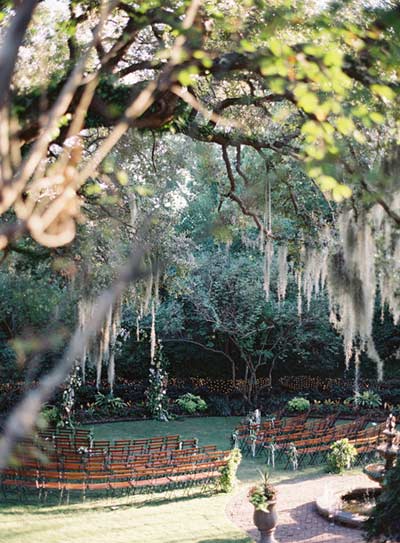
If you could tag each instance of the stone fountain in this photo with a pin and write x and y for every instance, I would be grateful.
(388, 450)
(353, 508)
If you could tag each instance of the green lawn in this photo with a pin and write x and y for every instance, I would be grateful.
(208, 430)
(118, 521)
(199, 519)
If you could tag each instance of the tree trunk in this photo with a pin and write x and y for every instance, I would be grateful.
(233, 364)
(271, 369)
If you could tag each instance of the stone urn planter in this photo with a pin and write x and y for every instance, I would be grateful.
(263, 497)
(266, 521)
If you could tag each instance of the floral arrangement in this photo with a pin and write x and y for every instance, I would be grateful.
(156, 393)
(262, 494)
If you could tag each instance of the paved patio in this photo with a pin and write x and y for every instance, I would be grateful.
(298, 520)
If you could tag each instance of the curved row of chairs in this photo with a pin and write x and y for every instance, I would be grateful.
(298, 441)
(79, 464)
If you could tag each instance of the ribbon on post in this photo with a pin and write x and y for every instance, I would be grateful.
(271, 448)
(293, 456)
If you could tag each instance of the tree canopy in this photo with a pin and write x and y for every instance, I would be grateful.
(189, 129)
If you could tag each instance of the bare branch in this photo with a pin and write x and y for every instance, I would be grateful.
(238, 165)
(190, 99)
(235, 198)
(248, 101)
(379, 200)
(193, 342)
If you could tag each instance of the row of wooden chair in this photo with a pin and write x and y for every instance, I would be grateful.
(76, 462)
(144, 474)
(276, 425)
(66, 437)
(287, 432)
(72, 447)
(88, 463)
(311, 450)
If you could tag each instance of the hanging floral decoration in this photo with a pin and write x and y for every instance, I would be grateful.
(156, 393)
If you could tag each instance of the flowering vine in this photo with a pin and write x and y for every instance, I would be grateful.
(156, 393)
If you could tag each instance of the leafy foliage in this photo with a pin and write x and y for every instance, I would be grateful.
(341, 457)
(298, 404)
(368, 398)
(191, 404)
(227, 480)
(109, 403)
(50, 416)
(384, 522)
(313, 107)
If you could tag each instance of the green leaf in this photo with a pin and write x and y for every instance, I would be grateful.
(277, 85)
(142, 190)
(308, 102)
(315, 151)
(268, 66)
(314, 50)
(314, 171)
(275, 46)
(359, 137)
(300, 90)
(122, 177)
(327, 182)
(247, 46)
(341, 192)
(333, 58)
(360, 111)
(108, 165)
(186, 76)
(312, 128)
(377, 117)
(93, 189)
(345, 125)
(383, 91)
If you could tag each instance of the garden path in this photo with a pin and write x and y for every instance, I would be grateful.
(298, 520)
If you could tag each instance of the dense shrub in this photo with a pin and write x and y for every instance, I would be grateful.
(50, 416)
(340, 392)
(189, 403)
(109, 403)
(342, 456)
(9, 396)
(298, 404)
(368, 399)
(391, 396)
(239, 407)
(228, 472)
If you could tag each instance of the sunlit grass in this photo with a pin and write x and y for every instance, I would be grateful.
(121, 520)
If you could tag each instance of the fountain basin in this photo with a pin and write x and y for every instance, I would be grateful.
(351, 508)
(375, 472)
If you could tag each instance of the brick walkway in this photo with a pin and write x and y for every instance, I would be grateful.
(298, 520)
